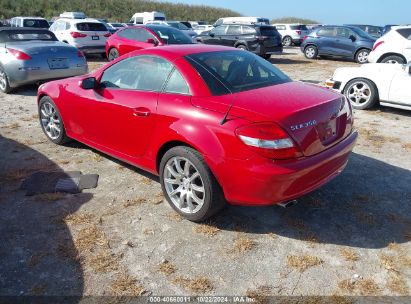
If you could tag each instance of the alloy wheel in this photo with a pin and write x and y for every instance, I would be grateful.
(113, 54)
(392, 62)
(363, 57)
(359, 93)
(184, 185)
(3, 80)
(310, 52)
(287, 41)
(50, 120)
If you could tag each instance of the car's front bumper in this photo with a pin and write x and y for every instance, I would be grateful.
(268, 182)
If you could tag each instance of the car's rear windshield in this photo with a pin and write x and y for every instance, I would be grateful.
(268, 31)
(171, 35)
(299, 27)
(91, 27)
(33, 36)
(405, 32)
(235, 71)
(39, 23)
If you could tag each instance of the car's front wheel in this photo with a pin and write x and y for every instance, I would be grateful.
(393, 59)
(311, 52)
(51, 122)
(4, 82)
(189, 185)
(361, 93)
(287, 41)
(113, 54)
(362, 56)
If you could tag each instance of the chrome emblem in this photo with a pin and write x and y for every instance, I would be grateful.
(304, 125)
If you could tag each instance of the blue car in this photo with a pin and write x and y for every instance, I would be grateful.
(338, 41)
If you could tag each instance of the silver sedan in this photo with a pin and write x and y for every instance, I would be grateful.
(35, 55)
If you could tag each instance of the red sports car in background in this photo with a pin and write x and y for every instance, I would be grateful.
(141, 37)
(217, 124)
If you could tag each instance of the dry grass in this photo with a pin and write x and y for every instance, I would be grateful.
(64, 162)
(16, 175)
(13, 126)
(174, 216)
(242, 244)
(259, 295)
(365, 287)
(35, 259)
(146, 180)
(304, 262)
(376, 139)
(394, 246)
(167, 268)
(79, 219)
(68, 251)
(197, 285)
(126, 285)
(103, 262)
(89, 237)
(407, 146)
(398, 285)
(97, 157)
(207, 229)
(272, 235)
(349, 254)
(134, 202)
(158, 198)
(49, 197)
(148, 231)
(388, 262)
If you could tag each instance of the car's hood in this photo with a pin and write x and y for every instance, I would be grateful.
(307, 112)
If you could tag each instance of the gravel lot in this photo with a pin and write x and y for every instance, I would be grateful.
(351, 237)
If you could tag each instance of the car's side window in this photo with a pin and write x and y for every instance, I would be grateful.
(344, 32)
(136, 34)
(234, 30)
(177, 84)
(326, 32)
(405, 32)
(219, 30)
(248, 30)
(143, 73)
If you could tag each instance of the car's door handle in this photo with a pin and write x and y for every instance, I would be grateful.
(141, 112)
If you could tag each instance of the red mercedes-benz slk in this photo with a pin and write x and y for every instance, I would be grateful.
(217, 124)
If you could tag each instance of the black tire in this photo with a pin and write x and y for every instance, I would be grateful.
(373, 97)
(361, 56)
(287, 41)
(113, 54)
(311, 52)
(4, 79)
(62, 138)
(242, 47)
(393, 59)
(213, 195)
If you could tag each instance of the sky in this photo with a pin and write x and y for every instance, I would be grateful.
(374, 12)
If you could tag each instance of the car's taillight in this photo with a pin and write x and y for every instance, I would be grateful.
(377, 45)
(80, 54)
(268, 140)
(107, 35)
(18, 54)
(298, 32)
(77, 35)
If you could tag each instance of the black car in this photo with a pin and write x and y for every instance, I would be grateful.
(263, 40)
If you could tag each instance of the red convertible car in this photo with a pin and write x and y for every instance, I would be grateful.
(141, 37)
(217, 124)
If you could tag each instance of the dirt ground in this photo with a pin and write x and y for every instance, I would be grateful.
(351, 237)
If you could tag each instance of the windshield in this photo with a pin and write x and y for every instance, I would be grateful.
(237, 71)
(299, 27)
(171, 35)
(91, 27)
(39, 23)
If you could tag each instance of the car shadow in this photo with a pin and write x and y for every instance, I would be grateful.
(37, 253)
(389, 110)
(367, 206)
(275, 60)
(26, 90)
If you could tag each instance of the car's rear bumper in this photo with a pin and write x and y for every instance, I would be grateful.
(262, 50)
(268, 182)
(95, 49)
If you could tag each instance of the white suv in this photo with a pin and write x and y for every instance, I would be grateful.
(292, 33)
(393, 47)
(88, 35)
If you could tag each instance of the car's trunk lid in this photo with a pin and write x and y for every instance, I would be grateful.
(314, 117)
(36, 48)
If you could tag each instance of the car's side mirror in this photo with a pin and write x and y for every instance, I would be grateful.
(353, 38)
(89, 83)
(152, 41)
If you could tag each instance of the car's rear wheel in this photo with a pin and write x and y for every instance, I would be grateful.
(4, 82)
(311, 52)
(51, 122)
(361, 93)
(393, 59)
(362, 56)
(188, 184)
(113, 54)
(287, 41)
